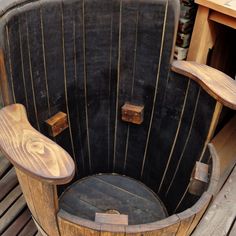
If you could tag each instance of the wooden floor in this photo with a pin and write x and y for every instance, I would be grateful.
(15, 217)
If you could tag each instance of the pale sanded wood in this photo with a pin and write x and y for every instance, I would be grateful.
(219, 85)
(29, 229)
(221, 213)
(223, 19)
(30, 151)
(42, 201)
(218, 5)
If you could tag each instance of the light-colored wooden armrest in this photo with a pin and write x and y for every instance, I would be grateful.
(219, 85)
(30, 151)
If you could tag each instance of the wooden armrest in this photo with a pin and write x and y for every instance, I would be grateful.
(219, 85)
(30, 151)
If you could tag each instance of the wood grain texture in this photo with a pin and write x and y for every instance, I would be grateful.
(203, 37)
(218, 5)
(10, 199)
(42, 201)
(29, 229)
(10, 215)
(225, 149)
(8, 182)
(221, 213)
(4, 87)
(219, 85)
(18, 224)
(30, 151)
(86, 197)
(71, 225)
(4, 164)
(223, 19)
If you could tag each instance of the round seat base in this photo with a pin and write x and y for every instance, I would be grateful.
(113, 194)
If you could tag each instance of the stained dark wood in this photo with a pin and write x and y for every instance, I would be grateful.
(99, 194)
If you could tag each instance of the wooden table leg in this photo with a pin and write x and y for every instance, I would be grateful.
(203, 37)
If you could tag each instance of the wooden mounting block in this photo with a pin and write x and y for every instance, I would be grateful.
(199, 179)
(132, 113)
(57, 123)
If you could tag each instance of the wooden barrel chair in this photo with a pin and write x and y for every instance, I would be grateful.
(112, 115)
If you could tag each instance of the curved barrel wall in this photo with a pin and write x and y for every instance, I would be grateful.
(87, 58)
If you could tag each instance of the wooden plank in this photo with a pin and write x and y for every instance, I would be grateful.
(223, 19)
(186, 219)
(219, 85)
(199, 209)
(9, 199)
(233, 230)
(203, 37)
(117, 219)
(7, 183)
(222, 211)
(224, 144)
(18, 224)
(43, 159)
(42, 200)
(4, 165)
(168, 226)
(71, 225)
(4, 88)
(29, 230)
(10, 215)
(218, 5)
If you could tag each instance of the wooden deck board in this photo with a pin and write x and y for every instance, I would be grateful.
(18, 224)
(15, 218)
(4, 165)
(222, 212)
(8, 182)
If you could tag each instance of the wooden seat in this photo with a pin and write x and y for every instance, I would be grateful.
(106, 192)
